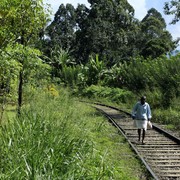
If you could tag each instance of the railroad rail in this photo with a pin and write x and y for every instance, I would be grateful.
(161, 151)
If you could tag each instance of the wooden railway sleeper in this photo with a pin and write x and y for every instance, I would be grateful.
(168, 162)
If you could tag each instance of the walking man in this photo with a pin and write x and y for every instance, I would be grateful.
(141, 114)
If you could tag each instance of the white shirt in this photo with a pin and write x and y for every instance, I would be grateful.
(141, 111)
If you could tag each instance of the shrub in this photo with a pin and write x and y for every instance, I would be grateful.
(167, 117)
(113, 94)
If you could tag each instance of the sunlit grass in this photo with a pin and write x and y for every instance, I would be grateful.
(60, 138)
(8, 114)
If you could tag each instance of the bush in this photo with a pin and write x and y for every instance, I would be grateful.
(160, 75)
(113, 94)
(167, 117)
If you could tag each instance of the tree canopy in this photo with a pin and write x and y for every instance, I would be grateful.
(109, 29)
(156, 39)
(22, 22)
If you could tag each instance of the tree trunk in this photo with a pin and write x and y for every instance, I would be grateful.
(20, 91)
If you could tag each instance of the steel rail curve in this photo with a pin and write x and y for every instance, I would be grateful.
(161, 152)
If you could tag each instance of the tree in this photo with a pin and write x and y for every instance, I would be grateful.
(173, 8)
(61, 30)
(105, 30)
(155, 39)
(21, 22)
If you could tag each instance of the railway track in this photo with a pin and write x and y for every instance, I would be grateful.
(161, 151)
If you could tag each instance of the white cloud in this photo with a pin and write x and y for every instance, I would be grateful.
(139, 7)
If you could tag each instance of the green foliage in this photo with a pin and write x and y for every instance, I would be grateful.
(95, 70)
(9, 71)
(113, 94)
(108, 28)
(9, 67)
(77, 75)
(134, 76)
(62, 29)
(17, 58)
(97, 30)
(21, 21)
(168, 78)
(167, 117)
(52, 138)
(60, 59)
(107, 25)
(160, 75)
(155, 39)
(63, 67)
(70, 75)
(30, 63)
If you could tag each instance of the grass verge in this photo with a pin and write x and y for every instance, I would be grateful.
(60, 138)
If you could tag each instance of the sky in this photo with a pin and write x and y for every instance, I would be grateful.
(141, 7)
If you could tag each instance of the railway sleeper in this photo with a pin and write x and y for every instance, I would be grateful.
(157, 152)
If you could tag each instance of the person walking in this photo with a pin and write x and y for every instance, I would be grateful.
(141, 114)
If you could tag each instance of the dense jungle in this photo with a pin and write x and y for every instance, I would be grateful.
(100, 53)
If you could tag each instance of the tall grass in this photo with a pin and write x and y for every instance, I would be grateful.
(56, 138)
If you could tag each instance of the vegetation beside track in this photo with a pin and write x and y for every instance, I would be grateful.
(88, 50)
(56, 136)
(124, 99)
